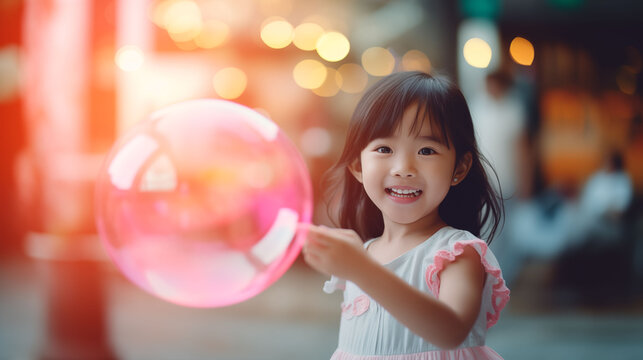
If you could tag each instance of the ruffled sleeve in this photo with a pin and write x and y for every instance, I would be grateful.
(499, 292)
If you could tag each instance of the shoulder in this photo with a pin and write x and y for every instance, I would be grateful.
(454, 242)
(448, 236)
(457, 245)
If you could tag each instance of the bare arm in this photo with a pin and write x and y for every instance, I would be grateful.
(444, 322)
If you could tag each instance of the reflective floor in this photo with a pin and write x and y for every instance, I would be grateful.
(293, 319)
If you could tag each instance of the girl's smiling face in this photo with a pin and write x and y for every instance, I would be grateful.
(408, 174)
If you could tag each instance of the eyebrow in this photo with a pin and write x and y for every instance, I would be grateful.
(431, 138)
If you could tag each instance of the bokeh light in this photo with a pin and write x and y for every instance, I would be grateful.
(277, 34)
(354, 78)
(309, 74)
(230, 83)
(307, 35)
(183, 20)
(331, 85)
(214, 33)
(522, 51)
(199, 204)
(158, 12)
(416, 60)
(333, 46)
(129, 58)
(477, 53)
(378, 61)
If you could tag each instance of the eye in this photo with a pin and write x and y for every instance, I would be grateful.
(426, 151)
(384, 150)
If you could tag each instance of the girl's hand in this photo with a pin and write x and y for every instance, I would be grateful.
(336, 252)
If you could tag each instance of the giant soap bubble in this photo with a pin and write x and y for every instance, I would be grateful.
(199, 204)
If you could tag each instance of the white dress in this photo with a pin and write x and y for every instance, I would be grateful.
(367, 331)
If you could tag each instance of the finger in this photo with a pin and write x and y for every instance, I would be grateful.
(317, 232)
(346, 231)
(313, 231)
(340, 233)
(313, 261)
(321, 240)
(321, 228)
(328, 236)
(312, 235)
(316, 243)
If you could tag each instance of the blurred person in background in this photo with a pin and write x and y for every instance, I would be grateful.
(583, 234)
(594, 264)
(500, 121)
(603, 201)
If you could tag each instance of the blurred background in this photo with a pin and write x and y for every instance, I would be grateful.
(554, 87)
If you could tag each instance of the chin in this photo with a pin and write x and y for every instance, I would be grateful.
(403, 220)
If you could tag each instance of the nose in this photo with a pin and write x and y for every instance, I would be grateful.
(403, 167)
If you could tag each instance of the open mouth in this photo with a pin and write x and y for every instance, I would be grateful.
(403, 193)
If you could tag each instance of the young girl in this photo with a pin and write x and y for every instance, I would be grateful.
(424, 286)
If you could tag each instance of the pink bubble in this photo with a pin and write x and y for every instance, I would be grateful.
(199, 204)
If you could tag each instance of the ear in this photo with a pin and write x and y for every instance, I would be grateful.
(355, 167)
(462, 169)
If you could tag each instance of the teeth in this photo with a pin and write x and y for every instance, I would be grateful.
(404, 192)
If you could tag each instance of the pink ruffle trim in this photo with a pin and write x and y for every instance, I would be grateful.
(470, 353)
(500, 295)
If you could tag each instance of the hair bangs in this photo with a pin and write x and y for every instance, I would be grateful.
(386, 110)
(426, 115)
(385, 119)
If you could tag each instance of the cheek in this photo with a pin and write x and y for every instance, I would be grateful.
(370, 170)
(443, 179)
(448, 169)
(371, 180)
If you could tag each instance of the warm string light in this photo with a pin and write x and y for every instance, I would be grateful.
(416, 60)
(522, 51)
(333, 46)
(214, 33)
(277, 33)
(183, 20)
(191, 27)
(378, 61)
(129, 58)
(307, 35)
(310, 74)
(331, 85)
(230, 83)
(354, 78)
(477, 53)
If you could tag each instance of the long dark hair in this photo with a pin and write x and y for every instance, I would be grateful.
(468, 206)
